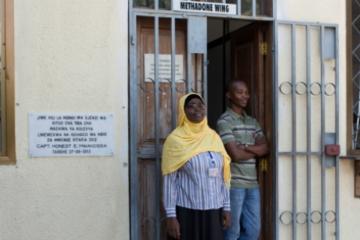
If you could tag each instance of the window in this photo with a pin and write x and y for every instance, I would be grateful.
(7, 129)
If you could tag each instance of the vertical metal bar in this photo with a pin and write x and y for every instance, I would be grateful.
(205, 89)
(156, 4)
(173, 72)
(238, 2)
(274, 9)
(276, 126)
(323, 167)
(337, 128)
(134, 213)
(157, 137)
(189, 63)
(308, 132)
(253, 5)
(293, 116)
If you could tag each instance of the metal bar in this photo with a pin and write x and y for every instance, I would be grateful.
(238, 4)
(157, 137)
(274, 9)
(134, 213)
(304, 23)
(337, 128)
(275, 127)
(173, 80)
(322, 116)
(253, 8)
(308, 133)
(189, 64)
(205, 65)
(300, 153)
(205, 89)
(156, 5)
(293, 116)
(168, 13)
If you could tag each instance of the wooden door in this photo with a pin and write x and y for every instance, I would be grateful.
(251, 62)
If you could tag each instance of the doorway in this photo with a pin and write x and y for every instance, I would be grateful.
(169, 57)
(240, 50)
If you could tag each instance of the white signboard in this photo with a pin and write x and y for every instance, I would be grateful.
(204, 7)
(70, 134)
(164, 67)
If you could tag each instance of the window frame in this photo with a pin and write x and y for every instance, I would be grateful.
(8, 155)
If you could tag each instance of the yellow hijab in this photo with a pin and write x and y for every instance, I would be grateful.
(190, 139)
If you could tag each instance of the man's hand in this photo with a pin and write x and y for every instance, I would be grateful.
(173, 227)
(226, 217)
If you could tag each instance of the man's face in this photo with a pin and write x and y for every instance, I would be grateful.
(195, 110)
(238, 94)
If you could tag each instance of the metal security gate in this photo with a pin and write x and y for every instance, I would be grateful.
(307, 122)
(162, 74)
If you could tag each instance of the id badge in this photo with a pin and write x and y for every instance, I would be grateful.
(213, 172)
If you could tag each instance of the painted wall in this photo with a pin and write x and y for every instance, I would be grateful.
(70, 56)
(324, 11)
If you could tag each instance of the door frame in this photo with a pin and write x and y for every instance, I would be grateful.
(134, 13)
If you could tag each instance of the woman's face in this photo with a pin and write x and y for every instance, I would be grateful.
(195, 110)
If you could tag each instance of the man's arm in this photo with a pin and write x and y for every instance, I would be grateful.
(259, 149)
(237, 152)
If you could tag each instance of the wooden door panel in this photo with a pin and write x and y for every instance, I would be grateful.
(250, 66)
(146, 110)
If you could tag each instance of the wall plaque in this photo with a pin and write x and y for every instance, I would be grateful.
(70, 134)
(164, 67)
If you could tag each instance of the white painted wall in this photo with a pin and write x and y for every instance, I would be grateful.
(70, 56)
(333, 12)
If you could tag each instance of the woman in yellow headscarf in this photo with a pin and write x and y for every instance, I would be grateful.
(196, 172)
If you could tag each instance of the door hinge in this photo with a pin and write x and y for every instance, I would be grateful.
(263, 48)
(263, 165)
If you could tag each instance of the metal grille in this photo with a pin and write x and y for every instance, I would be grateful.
(153, 99)
(306, 119)
(356, 72)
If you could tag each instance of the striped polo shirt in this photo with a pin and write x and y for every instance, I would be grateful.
(241, 129)
(199, 185)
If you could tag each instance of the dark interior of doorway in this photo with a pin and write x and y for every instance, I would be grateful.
(239, 49)
(219, 63)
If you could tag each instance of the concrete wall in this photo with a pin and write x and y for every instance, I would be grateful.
(70, 56)
(332, 12)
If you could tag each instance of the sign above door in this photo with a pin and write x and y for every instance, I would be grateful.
(204, 7)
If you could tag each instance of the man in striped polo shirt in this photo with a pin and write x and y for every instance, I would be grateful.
(244, 141)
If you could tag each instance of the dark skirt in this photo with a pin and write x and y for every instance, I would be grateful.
(200, 224)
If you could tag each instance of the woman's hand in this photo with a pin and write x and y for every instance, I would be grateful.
(173, 227)
(226, 216)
